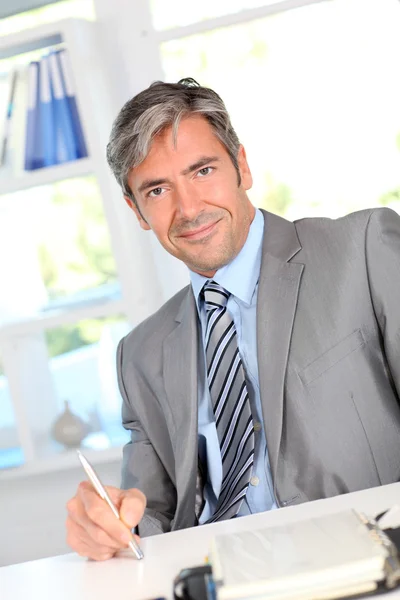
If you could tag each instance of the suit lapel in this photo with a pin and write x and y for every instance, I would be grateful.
(276, 306)
(180, 380)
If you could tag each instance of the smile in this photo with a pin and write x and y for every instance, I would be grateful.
(200, 233)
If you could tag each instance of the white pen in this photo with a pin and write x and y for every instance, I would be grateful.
(98, 486)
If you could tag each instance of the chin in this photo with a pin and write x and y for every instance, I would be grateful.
(210, 266)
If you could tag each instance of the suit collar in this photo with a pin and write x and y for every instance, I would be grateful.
(281, 239)
(186, 306)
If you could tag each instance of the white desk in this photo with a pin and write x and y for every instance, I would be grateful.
(71, 577)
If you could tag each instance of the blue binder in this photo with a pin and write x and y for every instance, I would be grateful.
(65, 138)
(69, 90)
(8, 117)
(47, 115)
(34, 158)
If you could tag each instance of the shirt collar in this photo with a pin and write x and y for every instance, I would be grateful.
(240, 276)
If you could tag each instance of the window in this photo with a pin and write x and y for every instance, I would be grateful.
(314, 95)
(57, 237)
(86, 377)
(55, 256)
(176, 13)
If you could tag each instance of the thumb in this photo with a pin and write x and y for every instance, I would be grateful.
(132, 505)
(115, 494)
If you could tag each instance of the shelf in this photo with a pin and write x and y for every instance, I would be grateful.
(30, 46)
(62, 462)
(36, 38)
(45, 176)
(58, 318)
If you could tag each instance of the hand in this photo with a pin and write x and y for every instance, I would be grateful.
(93, 530)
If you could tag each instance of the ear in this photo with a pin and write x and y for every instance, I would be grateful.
(244, 169)
(142, 221)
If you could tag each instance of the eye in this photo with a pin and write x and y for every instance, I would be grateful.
(204, 171)
(156, 192)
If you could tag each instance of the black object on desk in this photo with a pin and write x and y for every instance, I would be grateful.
(195, 584)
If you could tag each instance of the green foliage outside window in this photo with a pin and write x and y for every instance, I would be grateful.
(74, 249)
(74, 255)
(72, 337)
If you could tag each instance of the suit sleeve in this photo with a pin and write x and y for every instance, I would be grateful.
(383, 265)
(142, 468)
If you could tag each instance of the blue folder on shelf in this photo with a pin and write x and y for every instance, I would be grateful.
(64, 131)
(10, 107)
(34, 155)
(69, 90)
(47, 115)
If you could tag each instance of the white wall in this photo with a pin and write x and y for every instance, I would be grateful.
(32, 512)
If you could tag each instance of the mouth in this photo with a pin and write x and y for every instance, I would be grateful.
(201, 233)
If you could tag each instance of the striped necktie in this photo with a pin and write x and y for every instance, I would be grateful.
(230, 401)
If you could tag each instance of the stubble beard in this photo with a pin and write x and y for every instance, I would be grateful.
(226, 253)
(202, 262)
(197, 258)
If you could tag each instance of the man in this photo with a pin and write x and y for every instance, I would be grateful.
(274, 378)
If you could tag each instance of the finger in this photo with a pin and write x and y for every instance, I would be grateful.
(93, 533)
(77, 513)
(114, 493)
(117, 495)
(79, 541)
(97, 511)
(88, 551)
(132, 507)
(95, 553)
(78, 538)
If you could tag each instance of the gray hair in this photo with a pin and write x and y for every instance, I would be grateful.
(159, 106)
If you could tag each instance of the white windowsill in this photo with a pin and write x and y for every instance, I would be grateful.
(46, 176)
(63, 461)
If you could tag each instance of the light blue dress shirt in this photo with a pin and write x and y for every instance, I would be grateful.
(240, 278)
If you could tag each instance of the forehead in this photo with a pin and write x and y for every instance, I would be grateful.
(194, 137)
(191, 131)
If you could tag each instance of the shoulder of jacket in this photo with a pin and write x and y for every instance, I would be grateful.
(358, 220)
(159, 324)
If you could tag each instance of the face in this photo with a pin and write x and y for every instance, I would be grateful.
(188, 194)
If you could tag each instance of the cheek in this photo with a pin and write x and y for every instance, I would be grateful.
(160, 223)
(219, 193)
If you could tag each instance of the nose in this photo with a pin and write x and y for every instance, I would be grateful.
(188, 202)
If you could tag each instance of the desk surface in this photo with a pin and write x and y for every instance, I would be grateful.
(71, 577)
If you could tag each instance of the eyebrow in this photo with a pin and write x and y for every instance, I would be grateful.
(153, 183)
(203, 160)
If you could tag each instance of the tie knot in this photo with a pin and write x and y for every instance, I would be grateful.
(215, 295)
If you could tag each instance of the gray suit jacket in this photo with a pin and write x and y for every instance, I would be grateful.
(328, 338)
